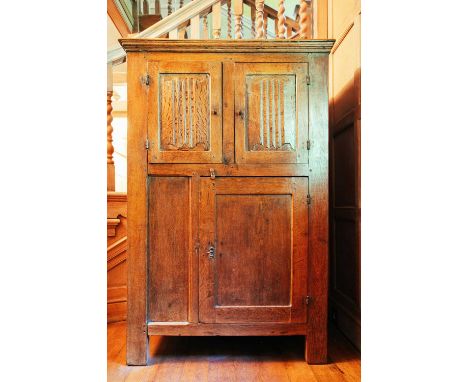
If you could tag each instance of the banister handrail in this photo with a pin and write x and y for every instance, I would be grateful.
(164, 26)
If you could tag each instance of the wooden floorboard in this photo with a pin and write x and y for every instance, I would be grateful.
(236, 359)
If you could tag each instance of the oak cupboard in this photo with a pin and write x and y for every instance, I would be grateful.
(227, 190)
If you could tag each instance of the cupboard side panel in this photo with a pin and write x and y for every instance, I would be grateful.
(137, 338)
(169, 231)
(316, 343)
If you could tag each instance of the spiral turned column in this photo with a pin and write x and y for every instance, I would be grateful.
(303, 20)
(110, 147)
(238, 27)
(281, 20)
(216, 20)
(229, 19)
(259, 23)
(169, 7)
(238, 11)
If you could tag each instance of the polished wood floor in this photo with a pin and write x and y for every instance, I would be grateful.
(240, 359)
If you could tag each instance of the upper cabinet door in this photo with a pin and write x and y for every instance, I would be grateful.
(184, 112)
(271, 112)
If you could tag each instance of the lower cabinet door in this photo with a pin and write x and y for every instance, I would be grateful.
(253, 250)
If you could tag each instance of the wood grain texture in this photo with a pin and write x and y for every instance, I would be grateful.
(224, 46)
(271, 112)
(253, 214)
(228, 112)
(137, 214)
(246, 224)
(169, 248)
(116, 256)
(185, 117)
(261, 222)
(316, 343)
(262, 169)
(240, 359)
(238, 329)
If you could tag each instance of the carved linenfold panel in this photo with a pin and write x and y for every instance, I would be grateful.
(271, 112)
(185, 112)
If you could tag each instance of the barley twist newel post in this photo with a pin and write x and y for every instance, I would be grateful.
(216, 20)
(110, 147)
(259, 23)
(281, 20)
(304, 20)
(238, 10)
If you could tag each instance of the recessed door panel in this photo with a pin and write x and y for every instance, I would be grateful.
(253, 249)
(271, 113)
(184, 112)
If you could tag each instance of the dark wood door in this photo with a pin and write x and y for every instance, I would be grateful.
(272, 116)
(253, 249)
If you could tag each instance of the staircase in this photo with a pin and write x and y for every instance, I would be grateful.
(189, 19)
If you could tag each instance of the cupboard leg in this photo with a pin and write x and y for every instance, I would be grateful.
(137, 346)
(316, 348)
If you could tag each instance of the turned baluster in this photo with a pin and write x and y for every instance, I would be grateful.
(181, 3)
(259, 22)
(281, 20)
(110, 147)
(252, 18)
(216, 20)
(157, 8)
(145, 7)
(195, 27)
(229, 19)
(205, 27)
(304, 20)
(169, 7)
(238, 11)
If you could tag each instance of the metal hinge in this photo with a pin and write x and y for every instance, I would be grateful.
(307, 300)
(308, 144)
(146, 79)
(308, 198)
(308, 80)
(147, 144)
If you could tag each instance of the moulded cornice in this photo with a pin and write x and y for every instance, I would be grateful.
(227, 46)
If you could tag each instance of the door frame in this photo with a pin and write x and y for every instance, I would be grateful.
(296, 311)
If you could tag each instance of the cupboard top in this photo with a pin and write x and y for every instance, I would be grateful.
(226, 46)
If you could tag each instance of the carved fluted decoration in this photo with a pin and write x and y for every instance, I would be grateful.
(259, 23)
(110, 147)
(281, 20)
(169, 7)
(229, 19)
(303, 20)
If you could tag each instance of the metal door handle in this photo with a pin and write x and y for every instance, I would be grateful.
(211, 252)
